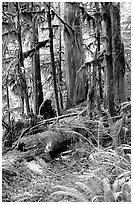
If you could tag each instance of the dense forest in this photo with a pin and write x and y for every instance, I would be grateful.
(66, 101)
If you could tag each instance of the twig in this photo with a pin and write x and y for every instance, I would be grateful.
(81, 113)
(22, 134)
(65, 23)
(56, 118)
(42, 123)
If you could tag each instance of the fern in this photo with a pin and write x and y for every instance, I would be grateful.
(126, 191)
(109, 195)
(106, 185)
(99, 199)
(120, 180)
(85, 188)
(98, 190)
(69, 192)
(115, 130)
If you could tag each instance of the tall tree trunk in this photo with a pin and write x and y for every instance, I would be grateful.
(118, 53)
(37, 85)
(8, 104)
(52, 60)
(60, 71)
(98, 48)
(21, 63)
(108, 58)
(74, 54)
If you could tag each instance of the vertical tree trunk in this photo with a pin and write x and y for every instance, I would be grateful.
(118, 53)
(52, 61)
(21, 64)
(98, 48)
(108, 59)
(94, 84)
(37, 85)
(74, 54)
(60, 71)
(8, 104)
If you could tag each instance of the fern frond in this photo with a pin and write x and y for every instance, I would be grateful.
(78, 196)
(99, 199)
(118, 196)
(109, 195)
(65, 188)
(126, 187)
(85, 188)
(123, 163)
(95, 186)
(126, 191)
(115, 129)
(118, 184)
(126, 175)
(106, 185)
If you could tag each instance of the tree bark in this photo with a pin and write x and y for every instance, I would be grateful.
(21, 63)
(39, 45)
(48, 142)
(37, 85)
(98, 48)
(60, 71)
(108, 58)
(8, 104)
(52, 61)
(74, 54)
(118, 53)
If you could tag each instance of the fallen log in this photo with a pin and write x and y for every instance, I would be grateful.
(43, 122)
(49, 144)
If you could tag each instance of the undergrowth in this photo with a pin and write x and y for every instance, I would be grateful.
(88, 173)
(110, 180)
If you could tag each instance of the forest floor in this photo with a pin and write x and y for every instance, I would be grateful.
(84, 174)
(37, 186)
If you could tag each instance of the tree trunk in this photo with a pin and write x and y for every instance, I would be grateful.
(108, 58)
(94, 84)
(60, 71)
(37, 85)
(98, 49)
(8, 104)
(52, 61)
(74, 54)
(21, 63)
(118, 53)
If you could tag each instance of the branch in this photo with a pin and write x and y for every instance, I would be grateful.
(5, 125)
(9, 33)
(32, 12)
(41, 123)
(10, 21)
(53, 119)
(66, 24)
(37, 47)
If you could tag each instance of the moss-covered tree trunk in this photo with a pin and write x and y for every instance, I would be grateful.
(60, 64)
(118, 53)
(36, 72)
(108, 57)
(98, 28)
(52, 59)
(24, 90)
(74, 54)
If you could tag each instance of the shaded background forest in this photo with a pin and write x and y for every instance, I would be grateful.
(31, 73)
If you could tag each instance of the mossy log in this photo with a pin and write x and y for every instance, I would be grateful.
(49, 144)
